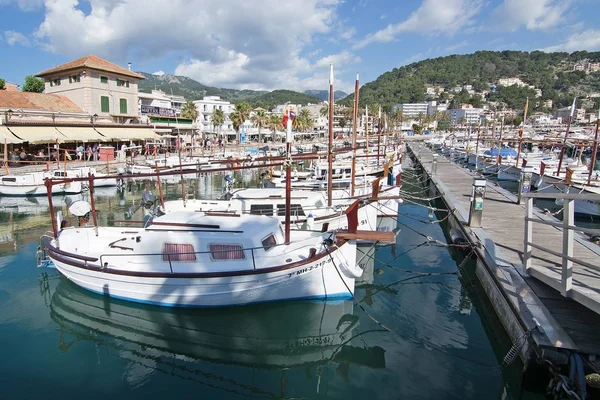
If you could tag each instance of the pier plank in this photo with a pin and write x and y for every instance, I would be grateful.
(503, 223)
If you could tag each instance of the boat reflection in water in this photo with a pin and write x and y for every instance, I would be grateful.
(278, 336)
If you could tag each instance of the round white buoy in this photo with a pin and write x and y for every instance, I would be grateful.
(80, 208)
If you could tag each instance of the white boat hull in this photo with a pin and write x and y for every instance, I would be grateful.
(582, 207)
(325, 278)
(39, 190)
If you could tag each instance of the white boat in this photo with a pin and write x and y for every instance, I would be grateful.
(32, 184)
(308, 208)
(192, 259)
(83, 172)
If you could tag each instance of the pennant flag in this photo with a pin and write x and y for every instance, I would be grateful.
(289, 113)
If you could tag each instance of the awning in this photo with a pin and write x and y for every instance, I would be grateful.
(80, 134)
(6, 135)
(36, 134)
(127, 133)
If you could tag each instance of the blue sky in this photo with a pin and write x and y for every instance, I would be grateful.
(269, 44)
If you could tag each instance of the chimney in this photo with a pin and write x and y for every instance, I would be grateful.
(129, 65)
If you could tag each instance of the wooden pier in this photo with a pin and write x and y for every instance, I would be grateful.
(525, 301)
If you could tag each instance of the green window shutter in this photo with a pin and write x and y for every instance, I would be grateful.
(123, 106)
(103, 79)
(104, 105)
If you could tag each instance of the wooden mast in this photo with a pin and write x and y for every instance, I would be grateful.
(354, 133)
(594, 148)
(564, 144)
(521, 131)
(288, 174)
(330, 152)
(366, 136)
(378, 135)
(498, 157)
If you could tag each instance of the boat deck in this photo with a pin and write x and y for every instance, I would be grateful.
(534, 297)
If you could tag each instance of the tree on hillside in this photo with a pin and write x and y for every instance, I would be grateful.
(2, 83)
(260, 119)
(189, 111)
(218, 119)
(239, 116)
(33, 84)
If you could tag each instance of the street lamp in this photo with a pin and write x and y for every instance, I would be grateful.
(93, 118)
(7, 114)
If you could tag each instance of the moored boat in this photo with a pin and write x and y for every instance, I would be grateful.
(32, 184)
(192, 259)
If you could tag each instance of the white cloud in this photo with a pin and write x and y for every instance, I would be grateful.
(535, 15)
(433, 17)
(237, 44)
(159, 73)
(24, 5)
(13, 38)
(347, 33)
(342, 58)
(232, 69)
(588, 40)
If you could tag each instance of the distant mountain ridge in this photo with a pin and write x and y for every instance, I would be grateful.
(191, 89)
(194, 90)
(323, 95)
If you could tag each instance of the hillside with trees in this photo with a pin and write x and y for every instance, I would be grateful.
(551, 72)
(191, 89)
(271, 99)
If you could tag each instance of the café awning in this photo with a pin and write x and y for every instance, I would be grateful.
(36, 134)
(121, 133)
(7, 137)
(81, 134)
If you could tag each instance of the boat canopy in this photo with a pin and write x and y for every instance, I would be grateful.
(503, 152)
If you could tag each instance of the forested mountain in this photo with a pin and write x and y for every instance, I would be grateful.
(323, 95)
(551, 72)
(271, 99)
(194, 90)
(191, 89)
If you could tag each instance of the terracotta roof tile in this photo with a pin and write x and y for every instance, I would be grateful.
(37, 101)
(92, 62)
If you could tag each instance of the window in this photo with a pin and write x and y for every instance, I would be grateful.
(103, 79)
(55, 82)
(123, 106)
(261, 209)
(178, 252)
(269, 242)
(74, 78)
(122, 83)
(104, 104)
(220, 252)
(295, 209)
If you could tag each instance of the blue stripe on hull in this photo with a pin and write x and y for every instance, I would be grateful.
(332, 297)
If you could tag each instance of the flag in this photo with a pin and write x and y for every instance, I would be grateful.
(289, 113)
(285, 118)
(573, 107)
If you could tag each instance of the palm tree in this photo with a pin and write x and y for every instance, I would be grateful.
(260, 119)
(399, 117)
(189, 111)
(274, 124)
(324, 110)
(218, 118)
(239, 116)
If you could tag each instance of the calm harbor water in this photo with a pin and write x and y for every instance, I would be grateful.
(421, 327)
